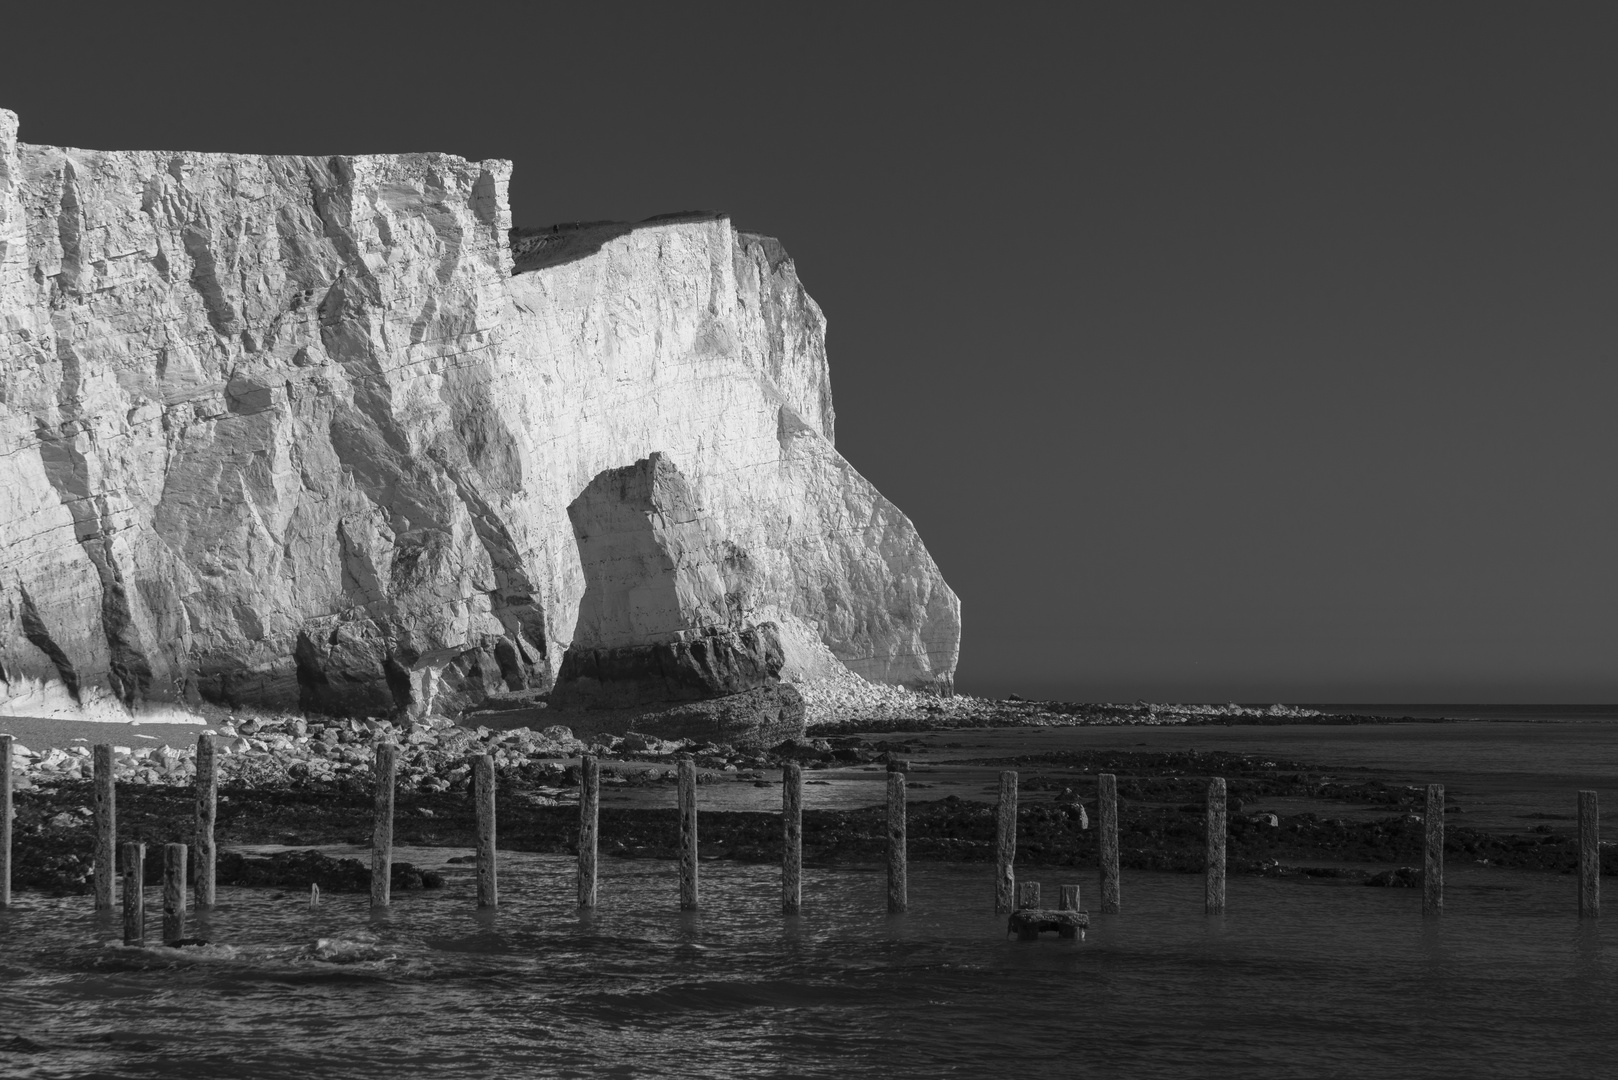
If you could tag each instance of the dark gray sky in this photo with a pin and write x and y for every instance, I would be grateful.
(1253, 351)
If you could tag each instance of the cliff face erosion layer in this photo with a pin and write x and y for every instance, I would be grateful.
(307, 433)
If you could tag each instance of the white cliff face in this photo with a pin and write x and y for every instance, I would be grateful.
(289, 432)
(697, 341)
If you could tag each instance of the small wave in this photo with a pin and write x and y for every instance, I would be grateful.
(115, 954)
(355, 948)
(200, 952)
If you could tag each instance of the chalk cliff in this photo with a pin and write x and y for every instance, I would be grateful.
(305, 432)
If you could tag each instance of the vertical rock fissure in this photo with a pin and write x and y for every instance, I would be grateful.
(205, 278)
(129, 669)
(34, 629)
(69, 231)
(513, 600)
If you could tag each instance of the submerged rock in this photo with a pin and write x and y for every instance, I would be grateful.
(1404, 877)
(300, 869)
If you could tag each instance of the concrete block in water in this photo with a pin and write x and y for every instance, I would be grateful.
(1029, 923)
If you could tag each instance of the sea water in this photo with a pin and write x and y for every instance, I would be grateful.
(1295, 980)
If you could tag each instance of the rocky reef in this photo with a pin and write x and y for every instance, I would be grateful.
(298, 783)
(329, 435)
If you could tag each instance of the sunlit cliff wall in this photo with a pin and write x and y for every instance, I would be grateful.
(300, 433)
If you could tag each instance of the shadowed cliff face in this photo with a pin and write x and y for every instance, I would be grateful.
(289, 432)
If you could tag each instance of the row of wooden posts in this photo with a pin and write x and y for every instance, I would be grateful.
(385, 770)
(1006, 899)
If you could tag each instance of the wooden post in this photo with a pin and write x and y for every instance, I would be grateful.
(589, 827)
(1432, 890)
(488, 882)
(1028, 896)
(5, 820)
(1107, 811)
(387, 763)
(134, 893)
(207, 812)
(106, 823)
(688, 834)
(1214, 883)
(898, 872)
(1589, 855)
(792, 838)
(1068, 901)
(173, 892)
(1005, 843)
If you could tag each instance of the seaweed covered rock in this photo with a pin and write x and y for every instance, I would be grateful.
(757, 718)
(300, 869)
(707, 662)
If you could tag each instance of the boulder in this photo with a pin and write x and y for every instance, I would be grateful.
(757, 718)
(1404, 877)
(712, 662)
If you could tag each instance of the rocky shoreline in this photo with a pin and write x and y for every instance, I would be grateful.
(270, 750)
(847, 704)
(305, 783)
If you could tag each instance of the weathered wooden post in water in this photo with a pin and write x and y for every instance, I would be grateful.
(1589, 855)
(488, 882)
(1028, 896)
(207, 811)
(134, 894)
(1214, 885)
(1107, 811)
(1432, 879)
(792, 838)
(1005, 844)
(106, 822)
(688, 834)
(173, 892)
(387, 764)
(898, 871)
(5, 820)
(589, 827)
(1068, 899)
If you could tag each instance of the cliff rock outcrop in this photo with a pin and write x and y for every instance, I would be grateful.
(667, 604)
(305, 433)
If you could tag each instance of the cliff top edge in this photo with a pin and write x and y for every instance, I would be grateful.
(532, 247)
(10, 130)
(538, 247)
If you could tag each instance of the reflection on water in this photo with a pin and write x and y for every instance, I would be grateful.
(1295, 981)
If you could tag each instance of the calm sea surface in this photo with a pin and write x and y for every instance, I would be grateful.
(1298, 980)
